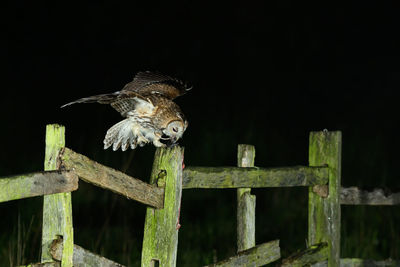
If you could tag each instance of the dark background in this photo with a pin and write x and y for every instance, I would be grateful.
(263, 73)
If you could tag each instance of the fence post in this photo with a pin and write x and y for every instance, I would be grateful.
(57, 209)
(324, 201)
(160, 241)
(246, 203)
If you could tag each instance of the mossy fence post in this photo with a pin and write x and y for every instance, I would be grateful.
(57, 208)
(160, 241)
(246, 203)
(324, 201)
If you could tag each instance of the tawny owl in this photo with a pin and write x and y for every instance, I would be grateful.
(151, 115)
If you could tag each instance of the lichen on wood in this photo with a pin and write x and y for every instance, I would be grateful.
(57, 208)
(37, 184)
(246, 203)
(324, 212)
(236, 177)
(160, 241)
(255, 256)
(108, 178)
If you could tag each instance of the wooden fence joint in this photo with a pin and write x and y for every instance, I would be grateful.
(161, 178)
(321, 190)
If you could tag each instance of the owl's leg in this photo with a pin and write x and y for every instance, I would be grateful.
(141, 140)
(156, 137)
(157, 143)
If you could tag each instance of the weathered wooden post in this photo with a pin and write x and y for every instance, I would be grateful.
(57, 209)
(324, 201)
(246, 203)
(160, 241)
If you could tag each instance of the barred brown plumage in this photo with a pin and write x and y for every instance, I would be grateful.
(151, 115)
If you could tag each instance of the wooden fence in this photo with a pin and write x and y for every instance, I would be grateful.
(163, 195)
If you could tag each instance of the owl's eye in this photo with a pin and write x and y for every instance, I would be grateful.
(175, 129)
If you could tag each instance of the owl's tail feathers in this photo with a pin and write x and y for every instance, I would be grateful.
(121, 135)
(102, 99)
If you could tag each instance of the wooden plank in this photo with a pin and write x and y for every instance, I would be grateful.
(82, 257)
(356, 196)
(307, 257)
(246, 204)
(235, 177)
(347, 262)
(324, 212)
(37, 184)
(160, 241)
(255, 256)
(108, 178)
(57, 208)
(354, 262)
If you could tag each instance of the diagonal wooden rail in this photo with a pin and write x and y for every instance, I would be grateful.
(108, 178)
(255, 256)
(81, 256)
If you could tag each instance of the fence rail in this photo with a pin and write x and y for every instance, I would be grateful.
(163, 198)
(37, 184)
(108, 178)
(254, 177)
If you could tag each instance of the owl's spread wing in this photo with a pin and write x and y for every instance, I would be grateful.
(135, 96)
(122, 101)
(150, 83)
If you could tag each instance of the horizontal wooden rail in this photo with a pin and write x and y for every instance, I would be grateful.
(255, 256)
(357, 196)
(354, 262)
(308, 257)
(108, 178)
(237, 177)
(37, 184)
(81, 256)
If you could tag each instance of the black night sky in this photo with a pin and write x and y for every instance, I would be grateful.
(263, 73)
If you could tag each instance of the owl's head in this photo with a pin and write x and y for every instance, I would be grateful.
(175, 130)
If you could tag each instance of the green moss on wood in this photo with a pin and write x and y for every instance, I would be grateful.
(236, 177)
(160, 241)
(324, 213)
(37, 184)
(57, 209)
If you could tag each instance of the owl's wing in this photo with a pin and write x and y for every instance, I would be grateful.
(151, 83)
(128, 101)
(122, 101)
